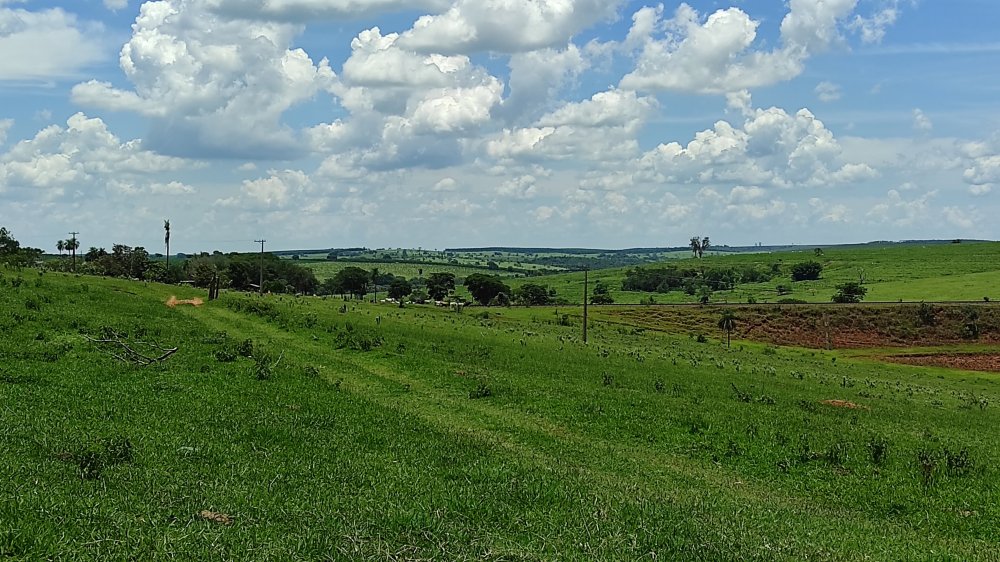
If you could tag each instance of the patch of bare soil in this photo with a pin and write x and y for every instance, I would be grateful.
(174, 301)
(987, 362)
(214, 517)
(844, 404)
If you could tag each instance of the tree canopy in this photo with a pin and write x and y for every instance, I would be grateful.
(850, 292)
(806, 271)
(485, 288)
(349, 281)
(440, 284)
(532, 294)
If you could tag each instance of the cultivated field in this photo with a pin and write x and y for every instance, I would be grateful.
(312, 429)
(327, 269)
(913, 273)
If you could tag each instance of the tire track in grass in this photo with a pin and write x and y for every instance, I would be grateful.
(547, 444)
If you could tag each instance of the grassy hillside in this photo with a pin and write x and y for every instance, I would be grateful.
(940, 272)
(294, 429)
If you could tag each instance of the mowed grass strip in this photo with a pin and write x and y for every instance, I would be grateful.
(382, 433)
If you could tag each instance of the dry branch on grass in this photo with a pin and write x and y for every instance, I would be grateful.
(116, 347)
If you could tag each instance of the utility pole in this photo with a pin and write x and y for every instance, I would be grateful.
(586, 281)
(261, 286)
(73, 247)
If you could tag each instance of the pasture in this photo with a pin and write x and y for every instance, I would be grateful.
(328, 269)
(911, 273)
(319, 429)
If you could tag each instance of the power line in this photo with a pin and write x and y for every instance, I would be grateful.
(261, 287)
(73, 247)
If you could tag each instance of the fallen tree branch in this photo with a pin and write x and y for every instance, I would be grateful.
(130, 355)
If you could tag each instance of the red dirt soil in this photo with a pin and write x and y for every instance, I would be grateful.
(829, 327)
(844, 404)
(173, 302)
(987, 362)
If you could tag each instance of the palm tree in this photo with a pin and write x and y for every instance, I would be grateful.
(61, 246)
(166, 240)
(705, 245)
(695, 246)
(728, 323)
(71, 245)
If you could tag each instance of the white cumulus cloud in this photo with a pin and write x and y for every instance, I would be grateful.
(45, 44)
(209, 85)
(506, 26)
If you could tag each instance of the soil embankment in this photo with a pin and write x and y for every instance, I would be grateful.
(833, 327)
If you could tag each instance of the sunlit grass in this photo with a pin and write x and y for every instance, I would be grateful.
(373, 438)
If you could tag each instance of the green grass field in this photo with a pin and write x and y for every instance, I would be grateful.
(308, 431)
(943, 272)
(327, 269)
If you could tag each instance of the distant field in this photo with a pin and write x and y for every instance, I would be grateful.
(327, 269)
(521, 261)
(943, 272)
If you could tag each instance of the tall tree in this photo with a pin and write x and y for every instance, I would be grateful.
(72, 244)
(695, 246)
(728, 324)
(166, 240)
(351, 280)
(61, 245)
(705, 245)
(484, 288)
(440, 284)
(9, 247)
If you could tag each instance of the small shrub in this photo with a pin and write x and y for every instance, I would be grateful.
(927, 314)
(608, 379)
(701, 338)
(245, 348)
(927, 463)
(958, 463)
(837, 453)
(660, 387)
(852, 292)
(806, 271)
(263, 367)
(878, 449)
(90, 464)
(225, 355)
(970, 330)
(119, 450)
(481, 391)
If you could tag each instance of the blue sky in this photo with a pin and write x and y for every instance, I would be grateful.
(443, 123)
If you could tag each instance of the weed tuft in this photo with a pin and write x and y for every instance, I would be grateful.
(245, 348)
(958, 463)
(878, 449)
(740, 395)
(481, 391)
